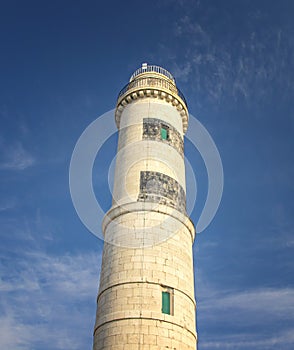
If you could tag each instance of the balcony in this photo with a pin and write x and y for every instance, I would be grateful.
(153, 83)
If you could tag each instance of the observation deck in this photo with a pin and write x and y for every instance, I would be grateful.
(155, 82)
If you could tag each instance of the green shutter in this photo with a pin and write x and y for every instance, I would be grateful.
(165, 303)
(163, 133)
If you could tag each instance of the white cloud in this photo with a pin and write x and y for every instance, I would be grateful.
(253, 310)
(277, 302)
(280, 339)
(182, 72)
(252, 65)
(7, 204)
(15, 157)
(48, 299)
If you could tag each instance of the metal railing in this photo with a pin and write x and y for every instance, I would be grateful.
(145, 68)
(153, 83)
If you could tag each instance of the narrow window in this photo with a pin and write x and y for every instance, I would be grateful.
(164, 133)
(167, 300)
(165, 303)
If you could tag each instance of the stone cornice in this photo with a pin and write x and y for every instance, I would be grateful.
(152, 86)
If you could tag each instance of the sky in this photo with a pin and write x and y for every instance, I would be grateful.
(62, 64)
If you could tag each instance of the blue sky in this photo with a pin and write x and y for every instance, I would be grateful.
(62, 65)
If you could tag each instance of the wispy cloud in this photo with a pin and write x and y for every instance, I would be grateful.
(281, 339)
(7, 204)
(253, 64)
(48, 299)
(251, 310)
(15, 157)
(261, 302)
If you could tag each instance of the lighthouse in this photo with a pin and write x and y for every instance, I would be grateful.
(146, 294)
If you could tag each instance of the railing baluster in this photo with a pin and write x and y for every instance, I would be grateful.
(152, 68)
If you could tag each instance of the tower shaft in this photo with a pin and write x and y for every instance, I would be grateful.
(146, 294)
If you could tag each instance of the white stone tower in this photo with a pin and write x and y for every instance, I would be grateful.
(146, 294)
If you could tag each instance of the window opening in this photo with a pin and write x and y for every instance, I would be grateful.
(164, 133)
(167, 301)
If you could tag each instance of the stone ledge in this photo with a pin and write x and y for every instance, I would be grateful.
(117, 211)
(148, 283)
(138, 317)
